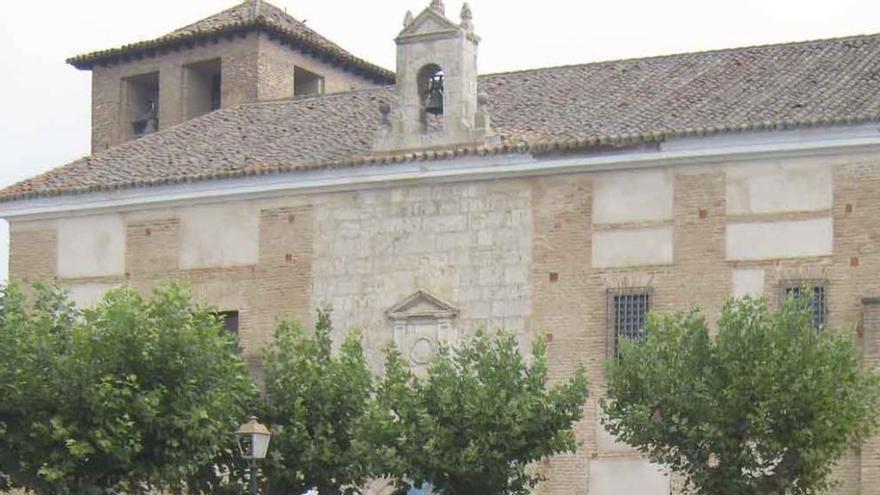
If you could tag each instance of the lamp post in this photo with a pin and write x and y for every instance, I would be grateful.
(253, 442)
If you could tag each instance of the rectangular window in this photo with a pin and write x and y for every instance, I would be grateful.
(141, 105)
(230, 321)
(230, 327)
(306, 83)
(815, 290)
(203, 83)
(215, 92)
(627, 315)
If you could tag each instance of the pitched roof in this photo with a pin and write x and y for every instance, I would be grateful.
(251, 14)
(613, 103)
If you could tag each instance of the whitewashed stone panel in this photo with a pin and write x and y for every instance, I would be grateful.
(88, 295)
(627, 476)
(748, 282)
(778, 188)
(780, 240)
(632, 196)
(606, 443)
(222, 235)
(91, 246)
(635, 247)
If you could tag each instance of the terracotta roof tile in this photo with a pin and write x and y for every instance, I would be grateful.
(251, 14)
(610, 103)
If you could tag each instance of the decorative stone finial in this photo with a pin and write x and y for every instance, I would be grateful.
(467, 17)
(408, 19)
(438, 7)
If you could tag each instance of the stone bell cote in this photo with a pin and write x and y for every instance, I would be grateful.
(437, 96)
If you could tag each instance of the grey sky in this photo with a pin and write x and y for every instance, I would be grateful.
(44, 104)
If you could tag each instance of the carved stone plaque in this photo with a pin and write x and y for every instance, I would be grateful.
(419, 324)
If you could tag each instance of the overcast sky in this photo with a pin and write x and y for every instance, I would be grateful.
(44, 103)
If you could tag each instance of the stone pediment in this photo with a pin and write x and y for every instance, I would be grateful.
(422, 305)
(429, 23)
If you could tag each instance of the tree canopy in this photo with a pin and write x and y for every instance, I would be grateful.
(131, 396)
(141, 394)
(483, 413)
(765, 407)
(316, 404)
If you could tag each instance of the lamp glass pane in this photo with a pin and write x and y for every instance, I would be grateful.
(260, 445)
(245, 445)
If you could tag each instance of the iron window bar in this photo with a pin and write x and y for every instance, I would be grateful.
(627, 315)
(816, 289)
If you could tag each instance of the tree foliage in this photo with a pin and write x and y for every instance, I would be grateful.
(317, 401)
(131, 396)
(766, 407)
(480, 417)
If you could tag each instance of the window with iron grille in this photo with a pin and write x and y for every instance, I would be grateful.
(813, 289)
(627, 315)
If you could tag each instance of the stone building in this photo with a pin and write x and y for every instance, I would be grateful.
(273, 171)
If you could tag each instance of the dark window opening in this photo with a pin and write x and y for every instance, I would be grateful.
(230, 321)
(141, 107)
(215, 92)
(815, 291)
(306, 83)
(203, 88)
(431, 92)
(628, 314)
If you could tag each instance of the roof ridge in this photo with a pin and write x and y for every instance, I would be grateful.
(215, 14)
(683, 54)
(254, 11)
(246, 15)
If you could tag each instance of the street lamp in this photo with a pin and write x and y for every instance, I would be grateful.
(253, 442)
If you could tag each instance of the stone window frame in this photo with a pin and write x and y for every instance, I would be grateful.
(818, 286)
(612, 333)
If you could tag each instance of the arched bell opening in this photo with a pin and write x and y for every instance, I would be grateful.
(431, 92)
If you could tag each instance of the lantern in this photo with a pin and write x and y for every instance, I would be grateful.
(253, 439)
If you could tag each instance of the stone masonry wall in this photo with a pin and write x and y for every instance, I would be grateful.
(523, 254)
(469, 244)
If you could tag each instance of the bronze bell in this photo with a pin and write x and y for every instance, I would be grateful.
(434, 96)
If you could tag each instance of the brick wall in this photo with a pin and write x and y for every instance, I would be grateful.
(253, 68)
(520, 254)
(276, 67)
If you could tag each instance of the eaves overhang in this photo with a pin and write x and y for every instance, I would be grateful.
(723, 148)
(176, 42)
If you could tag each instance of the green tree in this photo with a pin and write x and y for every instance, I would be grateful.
(128, 397)
(477, 420)
(766, 407)
(316, 403)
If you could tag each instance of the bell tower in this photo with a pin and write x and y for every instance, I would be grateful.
(437, 96)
